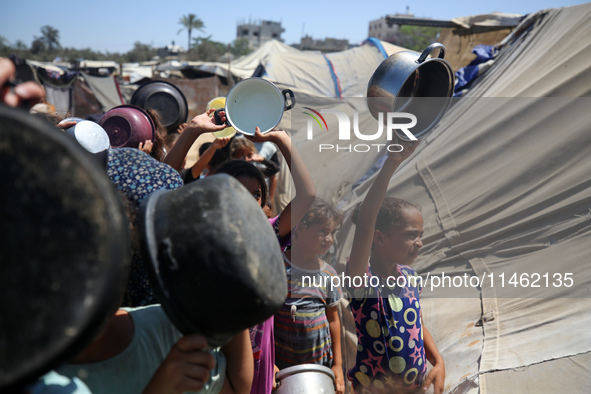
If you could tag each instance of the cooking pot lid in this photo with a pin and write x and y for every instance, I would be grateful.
(64, 247)
(166, 99)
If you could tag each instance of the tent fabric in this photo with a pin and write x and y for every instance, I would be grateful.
(135, 72)
(378, 44)
(505, 187)
(62, 98)
(309, 72)
(489, 20)
(105, 90)
(245, 66)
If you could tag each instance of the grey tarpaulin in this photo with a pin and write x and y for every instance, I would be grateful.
(105, 90)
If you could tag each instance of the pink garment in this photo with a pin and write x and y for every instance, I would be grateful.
(262, 340)
(284, 241)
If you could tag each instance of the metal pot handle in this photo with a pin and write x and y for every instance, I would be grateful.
(430, 49)
(285, 93)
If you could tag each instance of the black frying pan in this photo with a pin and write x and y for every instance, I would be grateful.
(166, 99)
(64, 247)
(212, 258)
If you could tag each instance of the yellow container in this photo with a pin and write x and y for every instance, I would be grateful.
(217, 103)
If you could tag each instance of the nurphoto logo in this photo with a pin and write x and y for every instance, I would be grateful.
(388, 122)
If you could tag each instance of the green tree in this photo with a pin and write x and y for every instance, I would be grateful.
(190, 22)
(240, 47)
(141, 53)
(38, 46)
(50, 37)
(19, 45)
(417, 38)
(206, 50)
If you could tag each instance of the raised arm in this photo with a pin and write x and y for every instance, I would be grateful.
(186, 368)
(368, 213)
(206, 157)
(437, 374)
(200, 124)
(239, 364)
(305, 190)
(334, 326)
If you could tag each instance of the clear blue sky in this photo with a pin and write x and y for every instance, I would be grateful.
(115, 26)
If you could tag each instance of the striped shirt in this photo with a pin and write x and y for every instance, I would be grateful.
(302, 334)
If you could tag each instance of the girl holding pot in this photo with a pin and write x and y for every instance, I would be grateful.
(262, 335)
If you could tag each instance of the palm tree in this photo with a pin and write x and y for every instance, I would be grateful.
(190, 22)
(50, 37)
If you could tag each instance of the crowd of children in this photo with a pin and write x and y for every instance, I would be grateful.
(140, 350)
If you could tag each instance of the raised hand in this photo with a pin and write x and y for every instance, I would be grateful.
(186, 368)
(15, 96)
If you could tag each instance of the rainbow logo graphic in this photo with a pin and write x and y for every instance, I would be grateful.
(315, 118)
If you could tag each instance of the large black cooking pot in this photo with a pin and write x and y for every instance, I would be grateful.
(412, 83)
(212, 258)
(166, 99)
(64, 247)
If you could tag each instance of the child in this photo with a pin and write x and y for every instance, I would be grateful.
(156, 148)
(392, 340)
(141, 351)
(211, 156)
(262, 335)
(244, 149)
(307, 328)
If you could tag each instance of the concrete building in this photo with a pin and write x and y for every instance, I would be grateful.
(170, 51)
(379, 29)
(259, 33)
(307, 43)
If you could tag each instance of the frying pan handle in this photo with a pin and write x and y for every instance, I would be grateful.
(218, 119)
(286, 93)
(430, 49)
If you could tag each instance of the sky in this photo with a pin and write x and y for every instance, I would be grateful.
(114, 26)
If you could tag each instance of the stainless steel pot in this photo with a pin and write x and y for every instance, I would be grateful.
(412, 83)
(305, 379)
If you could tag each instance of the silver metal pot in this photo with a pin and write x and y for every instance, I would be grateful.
(256, 102)
(305, 379)
(412, 83)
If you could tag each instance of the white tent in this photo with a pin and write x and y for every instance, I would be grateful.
(337, 74)
(245, 66)
(505, 186)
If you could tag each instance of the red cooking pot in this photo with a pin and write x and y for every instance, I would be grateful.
(127, 126)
